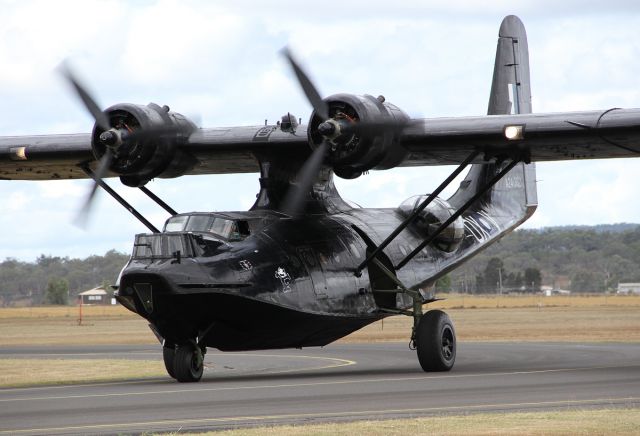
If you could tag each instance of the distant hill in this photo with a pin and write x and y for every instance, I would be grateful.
(579, 258)
(599, 228)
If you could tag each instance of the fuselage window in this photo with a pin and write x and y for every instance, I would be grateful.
(174, 243)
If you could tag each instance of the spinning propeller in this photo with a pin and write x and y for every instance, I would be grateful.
(113, 138)
(330, 128)
(294, 201)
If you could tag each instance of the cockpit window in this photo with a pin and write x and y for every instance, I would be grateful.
(176, 224)
(222, 227)
(227, 229)
(199, 223)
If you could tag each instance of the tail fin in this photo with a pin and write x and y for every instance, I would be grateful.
(511, 87)
(513, 199)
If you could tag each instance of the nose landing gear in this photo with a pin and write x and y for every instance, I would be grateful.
(184, 362)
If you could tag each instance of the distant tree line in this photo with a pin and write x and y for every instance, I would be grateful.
(576, 258)
(56, 280)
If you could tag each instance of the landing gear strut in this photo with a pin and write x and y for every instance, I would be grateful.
(433, 335)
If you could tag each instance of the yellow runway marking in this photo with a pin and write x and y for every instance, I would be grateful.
(387, 412)
(336, 363)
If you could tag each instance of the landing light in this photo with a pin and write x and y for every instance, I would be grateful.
(18, 153)
(513, 133)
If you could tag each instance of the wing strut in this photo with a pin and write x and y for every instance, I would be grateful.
(158, 200)
(120, 200)
(482, 191)
(416, 212)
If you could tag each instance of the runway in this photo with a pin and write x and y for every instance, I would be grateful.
(335, 383)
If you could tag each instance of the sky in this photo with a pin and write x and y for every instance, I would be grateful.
(219, 64)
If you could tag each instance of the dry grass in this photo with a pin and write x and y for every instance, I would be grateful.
(59, 326)
(461, 301)
(570, 422)
(29, 372)
(66, 312)
(477, 318)
(555, 324)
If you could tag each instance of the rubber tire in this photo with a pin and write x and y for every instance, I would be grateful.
(436, 341)
(188, 363)
(169, 357)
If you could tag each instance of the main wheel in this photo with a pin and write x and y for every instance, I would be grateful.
(169, 357)
(436, 341)
(188, 363)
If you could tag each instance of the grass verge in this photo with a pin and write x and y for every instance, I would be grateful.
(569, 422)
(31, 372)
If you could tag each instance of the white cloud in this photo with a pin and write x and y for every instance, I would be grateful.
(220, 60)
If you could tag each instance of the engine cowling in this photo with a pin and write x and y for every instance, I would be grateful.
(352, 150)
(140, 158)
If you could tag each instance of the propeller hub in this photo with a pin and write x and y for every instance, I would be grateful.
(109, 138)
(326, 128)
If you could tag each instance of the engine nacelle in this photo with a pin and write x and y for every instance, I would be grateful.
(431, 217)
(138, 160)
(354, 151)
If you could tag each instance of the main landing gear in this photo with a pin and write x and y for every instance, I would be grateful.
(433, 335)
(434, 339)
(184, 362)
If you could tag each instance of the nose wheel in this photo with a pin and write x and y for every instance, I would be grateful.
(169, 357)
(185, 362)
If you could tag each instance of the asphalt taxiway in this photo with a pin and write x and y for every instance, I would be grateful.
(335, 383)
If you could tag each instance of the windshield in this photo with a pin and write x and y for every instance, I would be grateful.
(227, 229)
(175, 224)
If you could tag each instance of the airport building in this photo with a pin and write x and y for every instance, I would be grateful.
(96, 296)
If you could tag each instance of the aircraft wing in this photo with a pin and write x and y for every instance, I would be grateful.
(613, 133)
(217, 151)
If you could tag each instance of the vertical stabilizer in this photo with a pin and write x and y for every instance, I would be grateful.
(511, 87)
(513, 199)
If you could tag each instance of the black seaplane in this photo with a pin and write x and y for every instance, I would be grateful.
(303, 267)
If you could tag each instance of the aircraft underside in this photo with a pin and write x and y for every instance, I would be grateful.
(237, 323)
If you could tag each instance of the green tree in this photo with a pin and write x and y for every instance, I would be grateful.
(587, 281)
(492, 273)
(443, 284)
(532, 279)
(57, 292)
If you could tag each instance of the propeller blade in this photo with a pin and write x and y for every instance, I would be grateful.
(318, 104)
(101, 118)
(294, 201)
(101, 171)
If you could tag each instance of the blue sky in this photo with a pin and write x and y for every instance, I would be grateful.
(218, 62)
